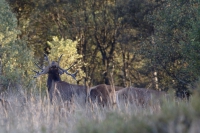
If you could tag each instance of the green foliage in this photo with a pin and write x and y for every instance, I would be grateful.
(115, 123)
(192, 50)
(15, 56)
(101, 27)
(131, 39)
(170, 47)
(174, 116)
(70, 56)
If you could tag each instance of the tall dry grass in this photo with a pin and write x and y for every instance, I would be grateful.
(25, 112)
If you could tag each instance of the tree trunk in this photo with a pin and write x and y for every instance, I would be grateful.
(155, 73)
(1, 70)
(155, 79)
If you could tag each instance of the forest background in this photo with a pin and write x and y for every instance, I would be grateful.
(141, 43)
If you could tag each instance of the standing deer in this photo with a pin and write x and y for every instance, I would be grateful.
(103, 94)
(57, 89)
(139, 96)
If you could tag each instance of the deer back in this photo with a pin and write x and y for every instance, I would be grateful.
(138, 96)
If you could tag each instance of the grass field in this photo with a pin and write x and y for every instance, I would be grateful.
(33, 113)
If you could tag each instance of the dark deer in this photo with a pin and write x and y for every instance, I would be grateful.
(58, 89)
(102, 94)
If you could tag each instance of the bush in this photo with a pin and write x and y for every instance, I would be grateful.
(15, 57)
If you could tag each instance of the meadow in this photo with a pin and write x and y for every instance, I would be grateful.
(24, 112)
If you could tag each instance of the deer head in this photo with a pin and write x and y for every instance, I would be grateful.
(54, 69)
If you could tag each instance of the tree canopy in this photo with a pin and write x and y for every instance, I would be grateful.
(15, 56)
(142, 43)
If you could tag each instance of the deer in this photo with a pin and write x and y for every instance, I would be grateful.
(58, 89)
(104, 94)
(139, 96)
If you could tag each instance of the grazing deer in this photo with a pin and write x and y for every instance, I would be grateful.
(139, 96)
(57, 89)
(103, 94)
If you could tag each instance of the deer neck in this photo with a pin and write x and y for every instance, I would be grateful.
(52, 78)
